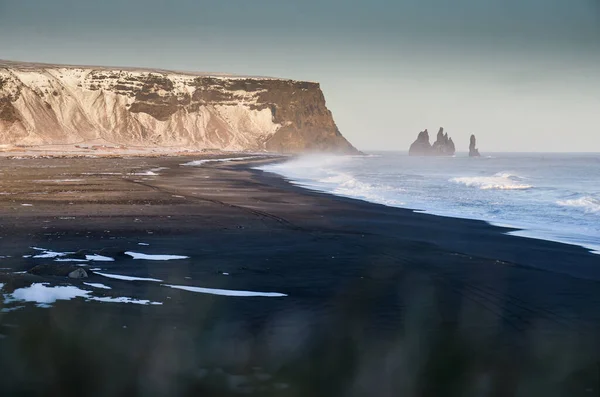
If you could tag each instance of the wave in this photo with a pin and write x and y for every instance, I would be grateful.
(200, 162)
(499, 181)
(329, 173)
(587, 203)
(346, 184)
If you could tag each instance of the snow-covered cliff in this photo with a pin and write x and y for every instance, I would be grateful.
(44, 104)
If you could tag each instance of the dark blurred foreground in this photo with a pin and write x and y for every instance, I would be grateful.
(380, 301)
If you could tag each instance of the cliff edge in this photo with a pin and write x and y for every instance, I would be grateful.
(42, 104)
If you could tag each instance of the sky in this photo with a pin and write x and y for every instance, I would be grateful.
(522, 75)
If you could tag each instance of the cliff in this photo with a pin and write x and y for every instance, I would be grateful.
(44, 104)
(443, 146)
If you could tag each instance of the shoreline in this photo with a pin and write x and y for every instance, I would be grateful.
(529, 231)
(501, 230)
(387, 286)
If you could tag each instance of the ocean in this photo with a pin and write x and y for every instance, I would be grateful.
(545, 195)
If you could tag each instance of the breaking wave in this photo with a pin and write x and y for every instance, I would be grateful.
(538, 195)
(345, 184)
(587, 203)
(329, 173)
(499, 181)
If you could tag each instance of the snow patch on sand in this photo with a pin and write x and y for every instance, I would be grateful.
(124, 299)
(41, 293)
(69, 260)
(99, 258)
(48, 253)
(226, 292)
(98, 285)
(127, 278)
(137, 255)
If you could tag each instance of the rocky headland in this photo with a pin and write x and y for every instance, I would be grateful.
(42, 104)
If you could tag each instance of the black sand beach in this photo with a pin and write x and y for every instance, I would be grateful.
(378, 301)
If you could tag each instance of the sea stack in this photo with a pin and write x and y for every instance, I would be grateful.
(421, 147)
(473, 151)
(443, 146)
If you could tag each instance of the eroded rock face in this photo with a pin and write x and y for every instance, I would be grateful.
(52, 104)
(443, 146)
(421, 147)
(473, 151)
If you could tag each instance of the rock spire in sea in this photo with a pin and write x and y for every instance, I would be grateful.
(473, 151)
(443, 146)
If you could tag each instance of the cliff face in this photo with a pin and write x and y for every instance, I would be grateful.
(50, 104)
(443, 146)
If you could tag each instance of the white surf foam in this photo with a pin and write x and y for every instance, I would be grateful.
(151, 172)
(58, 180)
(325, 173)
(200, 162)
(345, 184)
(226, 292)
(137, 255)
(499, 181)
(588, 204)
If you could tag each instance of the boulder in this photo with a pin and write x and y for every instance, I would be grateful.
(78, 273)
(55, 270)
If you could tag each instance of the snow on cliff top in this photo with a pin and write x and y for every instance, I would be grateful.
(38, 67)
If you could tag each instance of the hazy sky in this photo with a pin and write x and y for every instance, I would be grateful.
(522, 75)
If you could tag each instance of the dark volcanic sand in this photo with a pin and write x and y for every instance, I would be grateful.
(380, 301)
